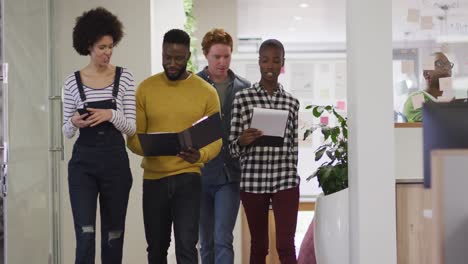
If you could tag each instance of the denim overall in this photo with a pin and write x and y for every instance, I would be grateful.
(99, 167)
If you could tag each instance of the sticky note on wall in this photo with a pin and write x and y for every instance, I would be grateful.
(407, 67)
(341, 105)
(324, 94)
(447, 96)
(445, 84)
(413, 15)
(426, 23)
(417, 100)
(445, 48)
(324, 120)
(428, 63)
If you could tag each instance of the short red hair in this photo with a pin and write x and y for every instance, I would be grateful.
(216, 36)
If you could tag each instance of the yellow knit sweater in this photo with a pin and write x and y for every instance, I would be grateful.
(172, 106)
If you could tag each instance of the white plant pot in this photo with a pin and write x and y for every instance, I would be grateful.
(331, 230)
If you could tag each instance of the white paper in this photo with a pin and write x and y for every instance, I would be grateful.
(428, 63)
(426, 22)
(340, 80)
(427, 213)
(407, 67)
(324, 68)
(418, 100)
(413, 15)
(445, 84)
(271, 122)
(444, 99)
(201, 119)
(324, 94)
(302, 77)
(447, 96)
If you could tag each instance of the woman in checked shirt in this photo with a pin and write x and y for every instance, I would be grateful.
(269, 174)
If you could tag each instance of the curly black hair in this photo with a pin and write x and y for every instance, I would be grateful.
(93, 25)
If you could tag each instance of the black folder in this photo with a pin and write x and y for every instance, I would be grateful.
(269, 141)
(205, 131)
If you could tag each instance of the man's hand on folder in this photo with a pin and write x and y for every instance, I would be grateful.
(190, 155)
(249, 135)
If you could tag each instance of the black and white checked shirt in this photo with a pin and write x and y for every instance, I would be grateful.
(265, 169)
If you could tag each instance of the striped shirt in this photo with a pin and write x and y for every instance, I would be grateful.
(123, 118)
(265, 169)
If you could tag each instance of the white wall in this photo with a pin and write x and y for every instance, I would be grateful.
(134, 50)
(166, 15)
(214, 14)
(134, 53)
(371, 132)
(409, 154)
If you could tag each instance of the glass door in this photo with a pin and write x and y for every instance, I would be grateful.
(3, 140)
(27, 227)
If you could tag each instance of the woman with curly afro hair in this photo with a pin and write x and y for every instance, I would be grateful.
(99, 101)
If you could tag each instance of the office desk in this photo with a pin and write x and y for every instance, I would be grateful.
(413, 202)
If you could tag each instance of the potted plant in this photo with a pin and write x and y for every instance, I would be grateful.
(332, 174)
(331, 224)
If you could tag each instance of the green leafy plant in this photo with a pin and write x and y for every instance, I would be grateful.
(190, 28)
(332, 174)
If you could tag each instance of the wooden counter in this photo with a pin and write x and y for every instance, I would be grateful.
(413, 209)
(408, 125)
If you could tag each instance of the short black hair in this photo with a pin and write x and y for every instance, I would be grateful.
(271, 43)
(93, 25)
(177, 36)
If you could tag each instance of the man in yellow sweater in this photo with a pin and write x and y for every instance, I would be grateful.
(172, 101)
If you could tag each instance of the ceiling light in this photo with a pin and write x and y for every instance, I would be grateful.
(304, 5)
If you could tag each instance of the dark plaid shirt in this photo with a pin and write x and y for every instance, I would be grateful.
(265, 169)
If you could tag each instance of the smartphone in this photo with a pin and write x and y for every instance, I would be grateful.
(83, 111)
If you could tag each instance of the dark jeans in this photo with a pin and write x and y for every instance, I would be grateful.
(285, 206)
(103, 172)
(173, 199)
